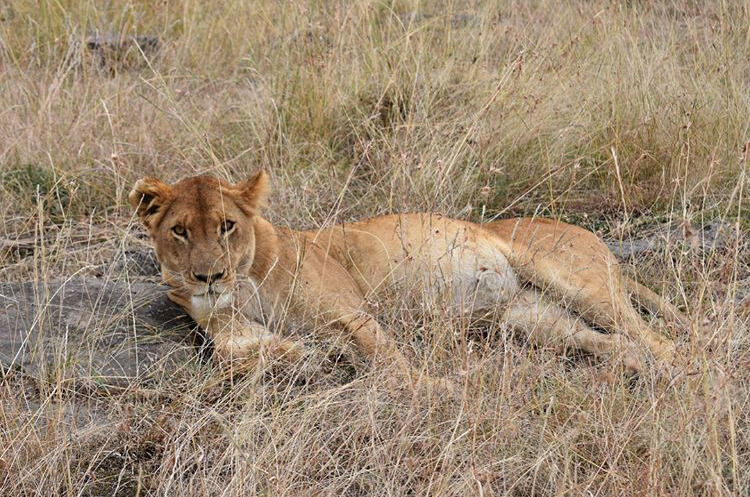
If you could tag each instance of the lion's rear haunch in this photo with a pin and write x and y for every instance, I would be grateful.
(235, 273)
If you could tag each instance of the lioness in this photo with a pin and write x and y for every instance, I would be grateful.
(235, 274)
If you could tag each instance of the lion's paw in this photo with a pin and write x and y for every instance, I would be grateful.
(258, 350)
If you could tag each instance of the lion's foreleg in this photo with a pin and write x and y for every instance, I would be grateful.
(373, 341)
(246, 343)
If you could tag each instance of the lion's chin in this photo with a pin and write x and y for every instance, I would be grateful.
(204, 304)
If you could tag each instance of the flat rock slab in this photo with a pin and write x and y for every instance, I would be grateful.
(109, 331)
(713, 235)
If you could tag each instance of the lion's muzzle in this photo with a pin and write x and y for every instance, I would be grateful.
(204, 305)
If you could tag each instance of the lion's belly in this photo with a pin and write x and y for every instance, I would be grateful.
(464, 276)
(437, 261)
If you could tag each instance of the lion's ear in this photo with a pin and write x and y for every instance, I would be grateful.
(255, 190)
(148, 197)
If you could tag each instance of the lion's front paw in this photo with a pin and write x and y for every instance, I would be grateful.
(252, 349)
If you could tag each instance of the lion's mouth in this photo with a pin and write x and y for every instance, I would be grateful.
(208, 293)
(211, 299)
(213, 291)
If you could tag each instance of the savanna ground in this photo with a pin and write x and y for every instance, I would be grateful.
(618, 116)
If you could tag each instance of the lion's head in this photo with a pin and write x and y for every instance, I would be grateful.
(202, 229)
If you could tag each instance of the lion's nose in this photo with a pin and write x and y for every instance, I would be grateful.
(209, 278)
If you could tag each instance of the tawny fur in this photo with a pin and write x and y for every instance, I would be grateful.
(541, 276)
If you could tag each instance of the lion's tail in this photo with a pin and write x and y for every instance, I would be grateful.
(654, 302)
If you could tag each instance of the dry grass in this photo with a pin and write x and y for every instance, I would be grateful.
(610, 115)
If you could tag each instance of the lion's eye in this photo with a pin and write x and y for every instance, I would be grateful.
(179, 231)
(227, 226)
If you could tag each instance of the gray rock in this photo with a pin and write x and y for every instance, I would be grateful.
(108, 331)
(118, 43)
(713, 235)
(139, 262)
(112, 50)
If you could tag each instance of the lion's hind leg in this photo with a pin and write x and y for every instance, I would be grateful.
(655, 303)
(546, 323)
(610, 308)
